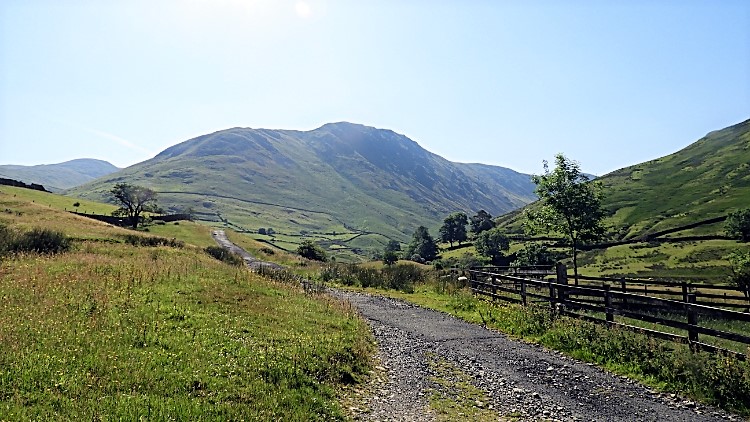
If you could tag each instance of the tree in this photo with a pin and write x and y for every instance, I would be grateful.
(310, 250)
(422, 244)
(740, 268)
(569, 204)
(482, 221)
(738, 225)
(534, 254)
(389, 257)
(492, 243)
(393, 246)
(454, 228)
(133, 201)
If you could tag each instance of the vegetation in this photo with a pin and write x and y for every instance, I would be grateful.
(310, 250)
(482, 221)
(740, 268)
(422, 246)
(400, 277)
(492, 244)
(738, 225)
(109, 331)
(570, 205)
(133, 201)
(534, 254)
(224, 255)
(37, 240)
(454, 228)
(136, 240)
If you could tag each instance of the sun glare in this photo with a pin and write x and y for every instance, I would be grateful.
(303, 9)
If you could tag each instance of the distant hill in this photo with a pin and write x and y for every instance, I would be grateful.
(705, 180)
(57, 177)
(354, 185)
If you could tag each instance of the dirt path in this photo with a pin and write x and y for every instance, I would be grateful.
(518, 381)
(254, 263)
(481, 374)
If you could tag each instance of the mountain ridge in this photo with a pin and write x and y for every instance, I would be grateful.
(60, 176)
(362, 178)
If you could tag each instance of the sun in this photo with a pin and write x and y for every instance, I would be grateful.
(302, 8)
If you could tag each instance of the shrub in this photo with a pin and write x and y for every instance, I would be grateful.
(136, 240)
(224, 255)
(308, 249)
(44, 241)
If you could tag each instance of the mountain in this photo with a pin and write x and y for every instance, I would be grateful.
(352, 185)
(705, 180)
(59, 176)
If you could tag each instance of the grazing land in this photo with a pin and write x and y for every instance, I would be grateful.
(112, 331)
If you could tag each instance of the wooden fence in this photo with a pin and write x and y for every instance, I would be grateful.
(601, 303)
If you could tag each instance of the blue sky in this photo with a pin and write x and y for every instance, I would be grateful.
(608, 83)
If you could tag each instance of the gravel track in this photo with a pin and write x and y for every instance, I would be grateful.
(254, 263)
(524, 382)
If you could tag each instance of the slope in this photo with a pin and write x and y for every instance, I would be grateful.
(59, 176)
(350, 185)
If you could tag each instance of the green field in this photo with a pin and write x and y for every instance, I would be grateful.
(110, 331)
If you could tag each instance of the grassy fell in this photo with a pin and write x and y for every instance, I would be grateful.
(114, 331)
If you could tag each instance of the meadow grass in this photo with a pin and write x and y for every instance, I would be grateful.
(111, 331)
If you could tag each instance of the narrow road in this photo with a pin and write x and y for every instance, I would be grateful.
(519, 381)
(523, 382)
(254, 263)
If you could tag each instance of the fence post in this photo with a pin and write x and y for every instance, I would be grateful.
(692, 316)
(608, 304)
(562, 278)
(624, 289)
(523, 292)
(684, 292)
(552, 296)
(494, 287)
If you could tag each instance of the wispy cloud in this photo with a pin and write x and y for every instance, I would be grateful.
(106, 135)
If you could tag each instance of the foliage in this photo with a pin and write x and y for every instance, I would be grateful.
(482, 221)
(738, 225)
(36, 240)
(570, 205)
(454, 228)
(224, 255)
(492, 243)
(133, 201)
(534, 254)
(422, 245)
(740, 268)
(153, 241)
(311, 250)
(389, 257)
(401, 277)
(393, 246)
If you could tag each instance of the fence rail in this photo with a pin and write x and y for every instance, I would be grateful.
(601, 303)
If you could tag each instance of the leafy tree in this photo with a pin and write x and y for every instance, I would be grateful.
(422, 245)
(390, 257)
(482, 221)
(492, 243)
(534, 254)
(740, 268)
(570, 205)
(133, 201)
(393, 246)
(310, 250)
(738, 225)
(262, 230)
(454, 228)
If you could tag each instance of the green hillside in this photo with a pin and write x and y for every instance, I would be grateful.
(707, 179)
(350, 186)
(59, 176)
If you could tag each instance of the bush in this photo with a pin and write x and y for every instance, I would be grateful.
(136, 240)
(308, 249)
(224, 255)
(44, 241)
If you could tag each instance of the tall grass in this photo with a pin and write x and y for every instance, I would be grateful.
(111, 331)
